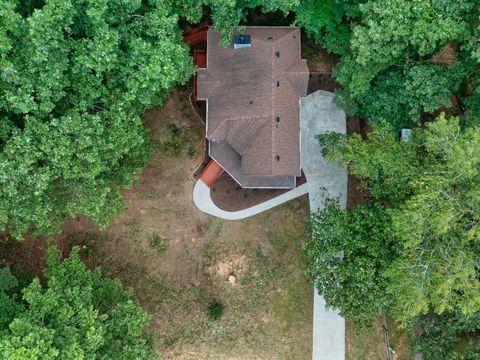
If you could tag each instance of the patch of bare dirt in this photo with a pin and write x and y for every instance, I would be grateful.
(320, 81)
(234, 266)
(356, 193)
(229, 196)
(318, 59)
(447, 55)
(27, 254)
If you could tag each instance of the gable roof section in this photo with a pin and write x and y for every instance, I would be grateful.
(253, 99)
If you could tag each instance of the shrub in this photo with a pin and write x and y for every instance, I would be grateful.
(215, 310)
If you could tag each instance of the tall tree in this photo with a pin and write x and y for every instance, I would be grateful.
(77, 314)
(450, 336)
(328, 22)
(429, 186)
(388, 72)
(349, 254)
(76, 76)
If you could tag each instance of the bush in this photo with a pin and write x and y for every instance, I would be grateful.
(215, 310)
(177, 141)
(158, 243)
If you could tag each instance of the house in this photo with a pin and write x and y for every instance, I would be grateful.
(252, 90)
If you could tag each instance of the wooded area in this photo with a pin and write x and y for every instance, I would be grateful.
(77, 76)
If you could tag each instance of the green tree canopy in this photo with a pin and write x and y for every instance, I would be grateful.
(349, 254)
(450, 336)
(401, 96)
(77, 314)
(382, 40)
(386, 68)
(388, 73)
(76, 76)
(429, 187)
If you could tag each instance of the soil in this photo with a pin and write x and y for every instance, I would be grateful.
(229, 196)
(356, 125)
(319, 81)
(27, 255)
(268, 310)
(318, 59)
(356, 194)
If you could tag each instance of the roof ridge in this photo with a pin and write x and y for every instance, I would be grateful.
(294, 77)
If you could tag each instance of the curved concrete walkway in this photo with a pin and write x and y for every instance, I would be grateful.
(318, 115)
(203, 201)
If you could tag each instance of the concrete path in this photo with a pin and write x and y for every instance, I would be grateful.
(203, 201)
(318, 115)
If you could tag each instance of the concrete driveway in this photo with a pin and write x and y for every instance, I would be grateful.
(319, 115)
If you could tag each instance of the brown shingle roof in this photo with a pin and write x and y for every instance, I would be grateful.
(244, 100)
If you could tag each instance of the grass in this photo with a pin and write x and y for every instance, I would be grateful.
(158, 243)
(368, 343)
(133, 227)
(267, 311)
(176, 261)
(291, 300)
(399, 340)
(177, 141)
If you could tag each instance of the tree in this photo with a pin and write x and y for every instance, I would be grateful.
(403, 95)
(76, 76)
(227, 15)
(8, 299)
(426, 26)
(448, 336)
(387, 73)
(429, 186)
(349, 253)
(77, 314)
(328, 22)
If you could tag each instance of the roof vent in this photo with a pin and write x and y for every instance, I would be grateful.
(277, 54)
(277, 157)
(241, 41)
(270, 38)
(277, 83)
(277, 119)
